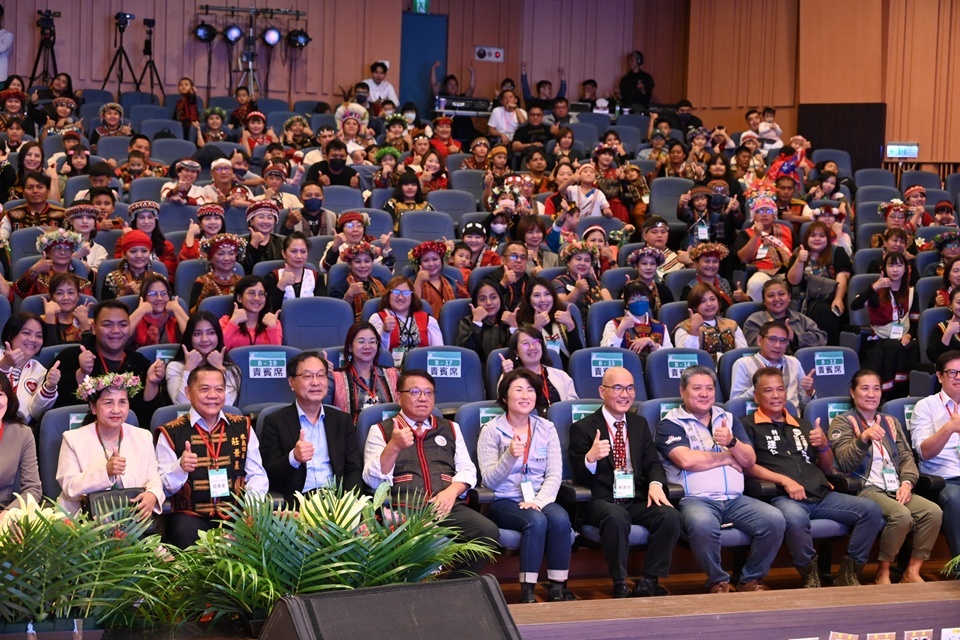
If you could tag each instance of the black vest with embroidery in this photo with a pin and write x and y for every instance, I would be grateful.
(427, 467)
(194, 496)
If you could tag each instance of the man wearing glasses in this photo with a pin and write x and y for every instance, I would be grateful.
(512, 277)
(306, 446)
(423, 456)
(773, 341)
(613, 454)
(707, 450)
(935, 435)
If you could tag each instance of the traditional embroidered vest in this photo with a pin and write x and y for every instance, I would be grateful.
(427, 467)
(420, 318)
(194, 496)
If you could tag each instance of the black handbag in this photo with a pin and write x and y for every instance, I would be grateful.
(100, 504)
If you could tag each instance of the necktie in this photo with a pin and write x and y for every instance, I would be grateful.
(418, 428)
(619, 447)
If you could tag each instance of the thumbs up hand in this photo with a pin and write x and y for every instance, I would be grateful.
(722, 435)
(818, 438)
(53, 377)
(303, 451)
(600, 449)
(739, 295)
(86, 360)
(507, 364)
(517, 447)
(806, 382)
(188, 460)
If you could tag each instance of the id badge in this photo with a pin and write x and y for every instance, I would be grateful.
(703, 232)
(623, 485)
(890, 481)
(896, 331)
(219, 485)
(645, 198)
(762, 252)
(398, 357)
(526, 490)
(555, 345)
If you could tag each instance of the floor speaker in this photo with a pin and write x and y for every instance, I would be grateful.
(468, 609)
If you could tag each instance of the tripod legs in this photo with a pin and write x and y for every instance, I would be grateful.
(119, 59)
(150, 70)
(48, 56)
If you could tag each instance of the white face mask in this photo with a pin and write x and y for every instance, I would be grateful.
(498, 228)
(410, 115)
(386, 113)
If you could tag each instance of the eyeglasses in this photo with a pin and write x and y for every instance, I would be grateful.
(224, 169)
(401, 292)
(418, 393)
(776, 340)
(311, 376)
(158, 294)
(952, 373)
(352, 225)
(516, 257)
(897, 216)
(250, 293)
(619, 389)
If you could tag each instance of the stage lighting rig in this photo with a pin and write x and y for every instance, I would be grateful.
(298, 39)
(205, 32)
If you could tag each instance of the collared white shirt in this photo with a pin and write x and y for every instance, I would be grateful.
(174, 477)
(612, 432)
(319, 469)
(929, 415)
(373, 475)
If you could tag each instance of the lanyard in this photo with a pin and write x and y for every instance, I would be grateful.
(526, 449)
(2, 429)
(100, 438)
(214, 455)
(546, 385)
(106, 369)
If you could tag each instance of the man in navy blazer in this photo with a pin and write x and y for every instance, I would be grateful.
(613, 454)
(306, 445)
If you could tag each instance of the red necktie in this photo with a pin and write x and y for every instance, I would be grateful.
(619, 447)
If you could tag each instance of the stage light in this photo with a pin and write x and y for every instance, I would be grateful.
(233, 33)
(298, 39)
(271, 36)
(205, 32)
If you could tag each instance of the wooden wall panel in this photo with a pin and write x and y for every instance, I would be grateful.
(660, 32)
(743, 54)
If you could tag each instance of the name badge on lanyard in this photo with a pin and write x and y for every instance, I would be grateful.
(703, 231)
(623, 486)
(890, 481)
(398, 355)
(526, 490)
(219, 484)
(896, 331)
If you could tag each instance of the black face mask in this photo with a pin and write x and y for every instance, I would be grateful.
(684, 117)
(338, 165)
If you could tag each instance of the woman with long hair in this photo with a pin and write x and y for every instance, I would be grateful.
(361, 382)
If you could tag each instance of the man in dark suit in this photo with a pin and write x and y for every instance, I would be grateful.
(613, 454)
(307, 446)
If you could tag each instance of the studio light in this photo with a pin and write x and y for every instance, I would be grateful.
(233, 33)
(298, 38)
(205, 32)
(271, 36)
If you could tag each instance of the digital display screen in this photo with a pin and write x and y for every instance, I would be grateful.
(903, 150)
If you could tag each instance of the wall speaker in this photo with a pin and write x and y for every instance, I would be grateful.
(468, 609)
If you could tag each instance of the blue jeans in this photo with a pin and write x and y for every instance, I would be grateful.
(864, 518)
(548, 529)
(762, 522)
(949, 501)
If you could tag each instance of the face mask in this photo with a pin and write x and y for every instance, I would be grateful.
(386, 113)
(684, 117)
(136, 172)
(639, 308)
(361, 98)
(498, 228)
(313, 204)
(410, 116)
(338, 165)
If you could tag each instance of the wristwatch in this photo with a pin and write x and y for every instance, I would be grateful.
(733, 442)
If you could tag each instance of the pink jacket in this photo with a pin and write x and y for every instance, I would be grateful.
(234, 337)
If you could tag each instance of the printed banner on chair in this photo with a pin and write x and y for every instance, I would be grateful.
(444, 364)
(600, 362)
(268, 364)
(828, 363)
(677, 362)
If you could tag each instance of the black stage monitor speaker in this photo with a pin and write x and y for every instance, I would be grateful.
(467, 609)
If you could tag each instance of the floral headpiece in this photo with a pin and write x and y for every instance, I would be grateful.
(111, 106)
(436, 246)
(213, 111)
(709, 249)
(387, 151)
(210, 246)
(292, 119)
(603, 147)
(698, 131)
(64, 102)
(498, 192)
(59, 236)
(354, 112)
(395, 118)
(255, 114)
(90, 387)
(573, 248)
(945, 238)
(634, 258)
(886, 208)
(353, 250)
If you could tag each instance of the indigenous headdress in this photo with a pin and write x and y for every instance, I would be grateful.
(709, 249)
(698, 131)
(111, 106)
(81, 210)
(143, 206)
(573, 248)
(12, 94)
(59, 236)
(64, 102)
(353, 216)
(945, 238)
(263, 206)
(292, 119)
(213, 111)
(395, 118)
(210, 210)
(90, 387)
(498, 192)
(387, 151)
(634, 258)
(353, 250)
(255, 114)
(209, 246)
(436, 246)
(896, 204)
(354, 112)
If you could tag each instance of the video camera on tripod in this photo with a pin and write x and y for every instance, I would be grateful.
(123, 20)
(48, 29)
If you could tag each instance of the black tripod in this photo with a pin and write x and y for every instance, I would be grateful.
(119, 58)
(45, 54)
(151, 66)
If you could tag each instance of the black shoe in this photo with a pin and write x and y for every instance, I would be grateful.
(621, 590)
(561, 595)
(647, 588)
(527, 595)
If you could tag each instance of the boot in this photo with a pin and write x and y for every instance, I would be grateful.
(849, 570)
(810, 574)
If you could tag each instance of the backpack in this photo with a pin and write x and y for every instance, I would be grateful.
(164, 134)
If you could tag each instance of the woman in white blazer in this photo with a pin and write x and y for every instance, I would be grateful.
(528, 350)
(35, 387)
(109, 453)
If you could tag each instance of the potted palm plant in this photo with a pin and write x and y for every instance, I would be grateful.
(335, 540)
(59, 573)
